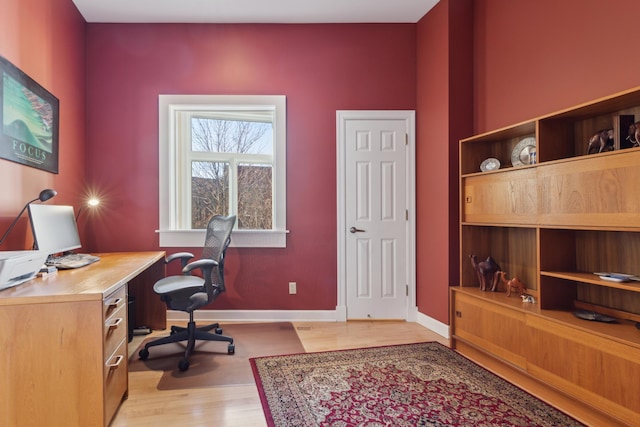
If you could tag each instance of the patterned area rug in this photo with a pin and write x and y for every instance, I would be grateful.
(424, 384)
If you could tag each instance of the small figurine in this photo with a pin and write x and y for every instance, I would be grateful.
(528, 298)
(486, 271)
(602, 140)
(513, 284)
(634, 134)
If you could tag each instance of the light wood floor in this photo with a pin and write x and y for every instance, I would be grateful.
(239, 405)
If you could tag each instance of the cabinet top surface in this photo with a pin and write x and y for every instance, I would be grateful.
(92, 282)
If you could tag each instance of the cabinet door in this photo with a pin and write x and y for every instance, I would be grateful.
(508, 197)
(597, 370)
(599, 191)
(494, 328)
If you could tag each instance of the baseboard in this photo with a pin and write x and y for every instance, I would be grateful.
(290, 316)
(256, 315)
(434, 325)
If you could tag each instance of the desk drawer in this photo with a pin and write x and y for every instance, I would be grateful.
(115, 330)
(114, 302)
(115, 380)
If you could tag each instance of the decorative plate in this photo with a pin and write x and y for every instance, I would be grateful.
(521, 154)
(489, 164)
(592, 315)
(616, 277)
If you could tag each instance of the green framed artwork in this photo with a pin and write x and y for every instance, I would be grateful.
(29, 115)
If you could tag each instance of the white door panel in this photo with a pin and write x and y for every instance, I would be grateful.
(375, 204)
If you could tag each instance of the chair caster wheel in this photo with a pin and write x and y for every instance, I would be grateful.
(218, 331)
(143, 354)
(183, 364)
(231, 349)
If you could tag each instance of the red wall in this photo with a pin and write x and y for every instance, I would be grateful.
(45, 39)
(529, 58)
(536, 57)
(444, 115)
(320, 68)
(432, 153)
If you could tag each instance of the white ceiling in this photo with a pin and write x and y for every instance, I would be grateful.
(254, 11)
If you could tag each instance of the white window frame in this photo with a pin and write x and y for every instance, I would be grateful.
(172, 234)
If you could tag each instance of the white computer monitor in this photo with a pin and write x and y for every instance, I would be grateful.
(54, 228)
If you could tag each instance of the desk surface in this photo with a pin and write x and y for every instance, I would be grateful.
(92, 282)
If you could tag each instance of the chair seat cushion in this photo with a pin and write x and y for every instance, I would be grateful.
(184, 293)
(175, 283)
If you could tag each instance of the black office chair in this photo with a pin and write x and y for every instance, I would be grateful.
(189, 293)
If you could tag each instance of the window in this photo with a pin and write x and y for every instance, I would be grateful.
(223, 155)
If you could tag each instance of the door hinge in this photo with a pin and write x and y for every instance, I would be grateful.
(406, 290)
(406, 214)
(406, 139)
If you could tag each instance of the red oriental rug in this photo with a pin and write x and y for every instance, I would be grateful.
(424, 384)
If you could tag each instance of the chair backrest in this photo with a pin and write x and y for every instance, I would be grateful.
(215, 247)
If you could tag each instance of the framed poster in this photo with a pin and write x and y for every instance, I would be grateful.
(29, 116)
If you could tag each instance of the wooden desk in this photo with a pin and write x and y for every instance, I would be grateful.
(63, 340)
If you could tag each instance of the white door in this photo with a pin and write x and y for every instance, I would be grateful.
(376, 190)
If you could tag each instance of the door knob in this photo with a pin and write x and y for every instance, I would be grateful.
(356, 230)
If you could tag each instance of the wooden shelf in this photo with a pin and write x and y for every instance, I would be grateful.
(593, 279)
(552, 224)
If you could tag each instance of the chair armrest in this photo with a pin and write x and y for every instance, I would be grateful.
(183, 256)
(204, 264)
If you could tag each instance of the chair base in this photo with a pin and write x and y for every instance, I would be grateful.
(191, 334)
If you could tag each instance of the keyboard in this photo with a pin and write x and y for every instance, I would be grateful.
(69, 261)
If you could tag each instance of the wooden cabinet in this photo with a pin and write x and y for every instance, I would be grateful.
(64, 342)
(115, 328)
(491, 326)
(553, 223)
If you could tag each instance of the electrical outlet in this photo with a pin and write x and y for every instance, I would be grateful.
(292, 288)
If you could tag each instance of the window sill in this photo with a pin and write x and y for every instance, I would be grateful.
(239, 238)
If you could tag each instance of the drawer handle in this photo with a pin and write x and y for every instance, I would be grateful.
(114, 323)
(117, 363)
(114, 303)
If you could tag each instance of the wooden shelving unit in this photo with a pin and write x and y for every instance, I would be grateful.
(553, 223)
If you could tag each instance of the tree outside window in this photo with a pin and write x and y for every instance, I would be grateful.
(237, 176)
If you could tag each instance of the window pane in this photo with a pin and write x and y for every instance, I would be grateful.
(255, 207)
(231, 136)
(209, 192)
